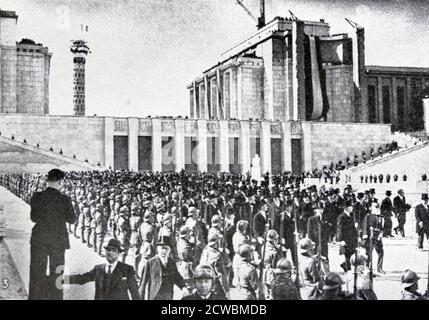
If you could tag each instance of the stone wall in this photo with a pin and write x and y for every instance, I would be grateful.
(340, 92)
(82, 136)
(32, 81)
(335, 141)
(251, 84)
(8, 79)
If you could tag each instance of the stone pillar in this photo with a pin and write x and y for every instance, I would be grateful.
(267, 50)
(156, 145)
(306, 146)
(47, 66)
(108, 142)
(426, 114)
(179, 145)
(233, 93)
(133, 144)
(395, 120)
(224, 146)
(360, 38)
(239, 94)
(380, 99)
(265, 147)
(298, 69)
(286, 146)
(207, 98)
(245, 146)
(202, 145)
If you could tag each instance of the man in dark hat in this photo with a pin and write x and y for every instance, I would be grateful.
(400, 207)
(347, 235)
(386, 211)
(359, 210)
(114, 280)
(50, 210)
(160, 274)
(422, 220)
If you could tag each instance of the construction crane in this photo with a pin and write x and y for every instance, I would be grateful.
(354, 24)
(261, 20)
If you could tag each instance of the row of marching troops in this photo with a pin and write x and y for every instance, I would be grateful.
(211, 233)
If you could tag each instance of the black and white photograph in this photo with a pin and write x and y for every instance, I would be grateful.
(220, 150)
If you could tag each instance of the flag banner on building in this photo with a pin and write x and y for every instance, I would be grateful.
(316, 103)
(221, 113)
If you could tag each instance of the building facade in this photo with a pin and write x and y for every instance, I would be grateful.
(287, 71)
(24, 69)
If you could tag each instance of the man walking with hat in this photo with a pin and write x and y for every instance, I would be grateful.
(50, 211)
(160, 274)
(422, 220)
(400, 208)
(386, 211)
(347, 234)
(114, 280)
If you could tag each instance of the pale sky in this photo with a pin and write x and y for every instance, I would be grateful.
(145, 52)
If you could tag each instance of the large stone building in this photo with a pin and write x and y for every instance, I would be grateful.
(292, 93)
(24, 71)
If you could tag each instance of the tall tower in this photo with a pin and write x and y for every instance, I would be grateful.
(80, 50)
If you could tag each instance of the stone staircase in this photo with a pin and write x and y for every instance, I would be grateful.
(18, 157)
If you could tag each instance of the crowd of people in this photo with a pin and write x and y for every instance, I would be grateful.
(208, 233)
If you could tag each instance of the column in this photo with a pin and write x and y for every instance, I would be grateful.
(426, 114)
(245, 146)
(380, 99)
(267, 49)
(156, 145)
(202, 145)
(239, 93)
(133, 144)
(179, 145)
(108, 142)
(207, 98)
(286, 146)
(224, 146)
(306, 146)
(298, 69)
(395, 120)
(196, 102)
(265, 147)
(233, 93)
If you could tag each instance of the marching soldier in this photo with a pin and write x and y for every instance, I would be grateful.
(239, 238)
(147, 235)
(219, 261)
(247, 274)
(332, 289)
(283, 287)
(135, 241)
(373, 236)
(88, 223)
(410, 286)
(100, 227)
(270, 259)
(204, 285)
(319, 222)
(124, 231)
(185, 255)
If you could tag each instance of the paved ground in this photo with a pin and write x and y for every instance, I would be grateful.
(11, 287)
(400, 254)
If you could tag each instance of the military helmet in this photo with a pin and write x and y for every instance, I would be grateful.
(213, 237)
(216, 219)
(306, 245)
(283, 266)
(272, 235)
(203, 272)
(409, 278)
(333, 281)
(123, 209)
(244, 250)
(167, 217)
(184, 231)
(360, 260)
(147, 216)
(242, 225)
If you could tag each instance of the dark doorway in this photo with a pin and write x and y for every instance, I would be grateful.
(120, 152)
